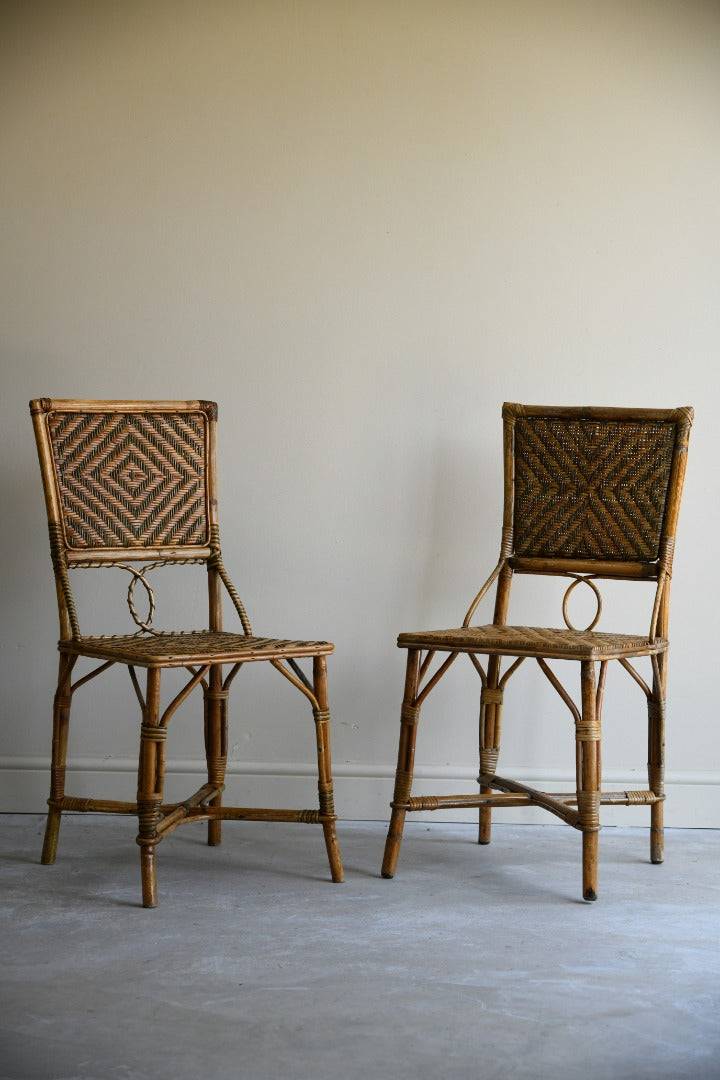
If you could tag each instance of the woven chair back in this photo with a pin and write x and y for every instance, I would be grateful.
(128, 479)
(593, 485)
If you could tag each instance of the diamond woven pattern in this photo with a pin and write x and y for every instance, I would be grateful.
(131, 480)
(591, 488)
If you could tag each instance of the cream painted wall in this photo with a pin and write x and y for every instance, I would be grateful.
(360, 226)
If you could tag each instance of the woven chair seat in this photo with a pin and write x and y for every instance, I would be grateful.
(192, 647)
(534, 641)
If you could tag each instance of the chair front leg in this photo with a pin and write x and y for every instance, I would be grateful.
(216, 714)
(656, 769)
(326, 795)
(587, 734)
(491, 703)
(151, 780)
(409, 717)
(61, 727)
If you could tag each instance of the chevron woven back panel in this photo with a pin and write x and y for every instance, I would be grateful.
(592, 489)
(131, 480)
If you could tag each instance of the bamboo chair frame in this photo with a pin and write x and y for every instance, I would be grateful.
(589, 494)
(133, 484)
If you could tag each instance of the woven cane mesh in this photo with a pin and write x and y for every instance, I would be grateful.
(534, 641)
(193, 647)
(131, 480)
(591, 489)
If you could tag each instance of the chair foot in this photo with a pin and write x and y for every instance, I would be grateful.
(657, 832)
(392, 844)
(149, 876)
(590, 865)
(333, 851)
(52, 832)
(214, 837)
(657, 845)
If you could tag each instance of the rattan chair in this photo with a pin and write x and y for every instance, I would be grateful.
(132, 484)
(589, 493)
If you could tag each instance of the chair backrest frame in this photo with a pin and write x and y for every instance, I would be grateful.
(116, 476)
(640, 557)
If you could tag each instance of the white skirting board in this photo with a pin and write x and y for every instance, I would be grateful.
(362, 791)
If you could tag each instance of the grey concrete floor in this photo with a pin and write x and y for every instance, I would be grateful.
(472, 963)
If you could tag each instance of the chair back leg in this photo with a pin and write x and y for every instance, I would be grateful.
(656, 764)
(321, 714)
(409, 717)
(491, 698)
(216, 721)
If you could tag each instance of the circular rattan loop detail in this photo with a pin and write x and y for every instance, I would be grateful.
(591, 584)
(138, 575)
